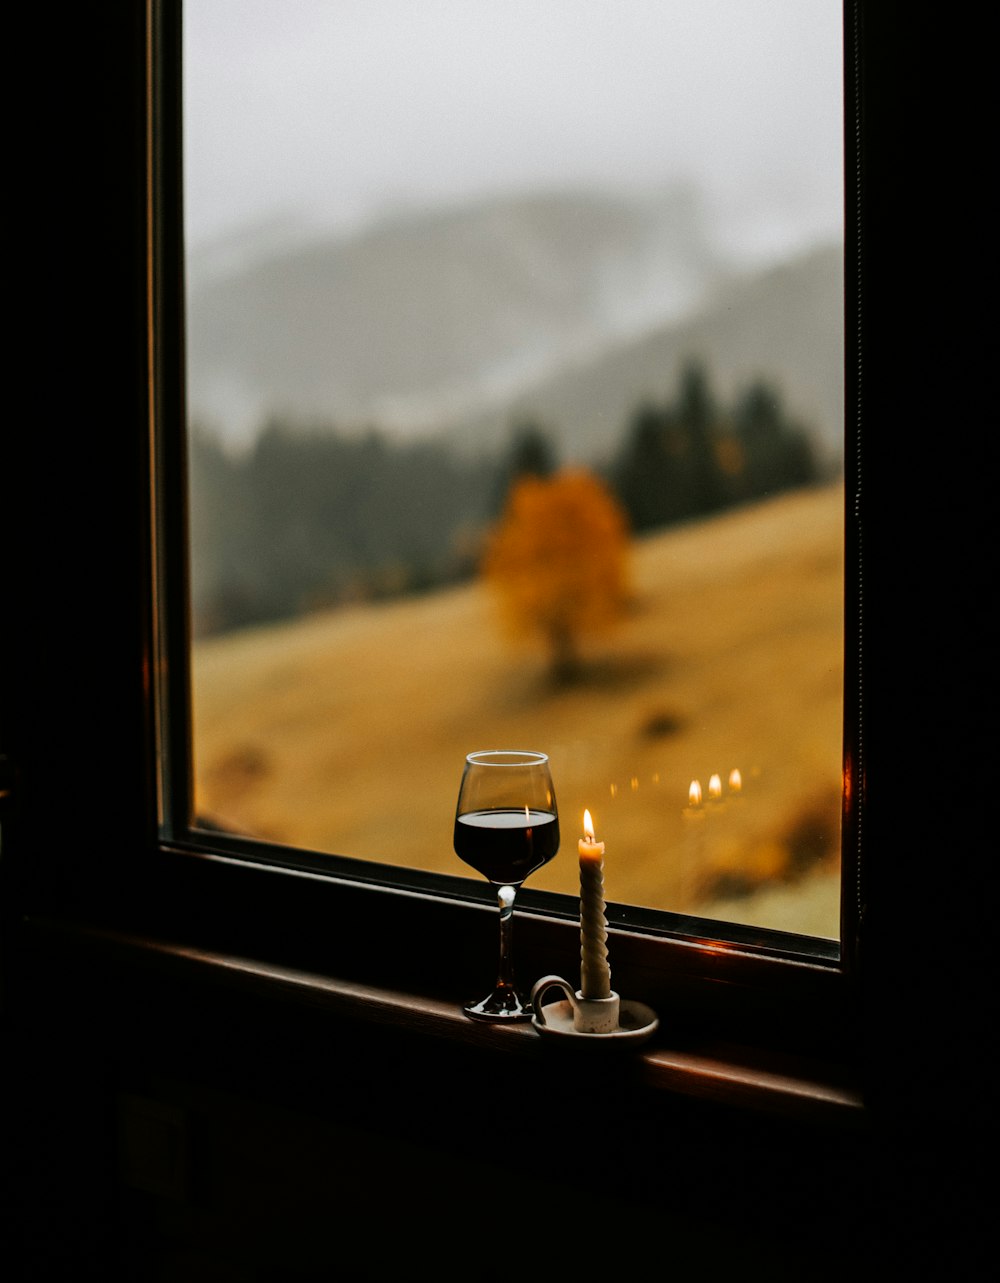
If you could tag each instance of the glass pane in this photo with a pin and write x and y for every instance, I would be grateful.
(515, 353)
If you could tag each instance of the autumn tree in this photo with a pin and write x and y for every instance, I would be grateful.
(558, 562)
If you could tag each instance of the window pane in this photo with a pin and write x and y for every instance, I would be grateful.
(515, 367)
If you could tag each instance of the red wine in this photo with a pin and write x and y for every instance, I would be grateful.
(505, 845)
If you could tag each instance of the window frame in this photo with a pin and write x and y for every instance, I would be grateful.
(647, 947)
(118, 870)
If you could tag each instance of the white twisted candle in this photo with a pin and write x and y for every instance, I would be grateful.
(595, 974)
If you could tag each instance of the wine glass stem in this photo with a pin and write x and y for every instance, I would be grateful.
(505, 974)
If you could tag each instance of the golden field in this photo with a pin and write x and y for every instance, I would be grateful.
(346, 732)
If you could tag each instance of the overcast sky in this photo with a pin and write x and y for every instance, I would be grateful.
(319, 113)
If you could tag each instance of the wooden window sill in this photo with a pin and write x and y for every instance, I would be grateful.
(741, 1078)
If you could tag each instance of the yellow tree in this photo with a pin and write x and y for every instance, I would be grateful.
(558, 561)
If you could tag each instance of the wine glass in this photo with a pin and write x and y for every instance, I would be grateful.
(506, 827)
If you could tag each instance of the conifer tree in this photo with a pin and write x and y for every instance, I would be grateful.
(697, 417)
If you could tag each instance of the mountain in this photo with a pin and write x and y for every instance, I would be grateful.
(784, 324)
(565, 305)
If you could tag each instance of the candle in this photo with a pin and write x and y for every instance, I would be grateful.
(595, 974)
(694, 799)
(693, 820)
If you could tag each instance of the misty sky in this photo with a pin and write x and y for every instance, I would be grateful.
(319, 113)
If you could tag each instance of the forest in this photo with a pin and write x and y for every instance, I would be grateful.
(313, 516)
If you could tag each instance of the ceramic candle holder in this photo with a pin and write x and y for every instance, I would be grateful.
(590, 1015)
(590, 1022)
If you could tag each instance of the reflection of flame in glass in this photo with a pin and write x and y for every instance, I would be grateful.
(694, 794)
(715, 787)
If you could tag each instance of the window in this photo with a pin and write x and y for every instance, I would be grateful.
(756, 959)
(81, 836)
(640, 791)
(428, 921)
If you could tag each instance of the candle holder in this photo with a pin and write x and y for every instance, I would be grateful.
(607, 1021)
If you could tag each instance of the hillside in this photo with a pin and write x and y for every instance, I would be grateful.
(785, 323)
(346, 732)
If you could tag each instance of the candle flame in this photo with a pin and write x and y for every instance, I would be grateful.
(588, 827)
(694, 793)
(735, 780)
(715, 787)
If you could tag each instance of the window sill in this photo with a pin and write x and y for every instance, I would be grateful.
(737, 1077)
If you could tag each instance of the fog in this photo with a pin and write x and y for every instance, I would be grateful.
(313, 115)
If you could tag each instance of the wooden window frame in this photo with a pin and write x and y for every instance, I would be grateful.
(748, 1019)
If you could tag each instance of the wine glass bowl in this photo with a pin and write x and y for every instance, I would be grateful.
(506, 827)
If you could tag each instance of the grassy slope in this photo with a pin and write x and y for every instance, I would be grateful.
(346, 732)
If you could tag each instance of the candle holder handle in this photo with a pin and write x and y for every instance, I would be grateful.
(541, 986)
(590, 1015)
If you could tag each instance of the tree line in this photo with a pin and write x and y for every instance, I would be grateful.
(311, 517)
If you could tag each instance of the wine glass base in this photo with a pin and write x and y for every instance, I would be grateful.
(500, 1007)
